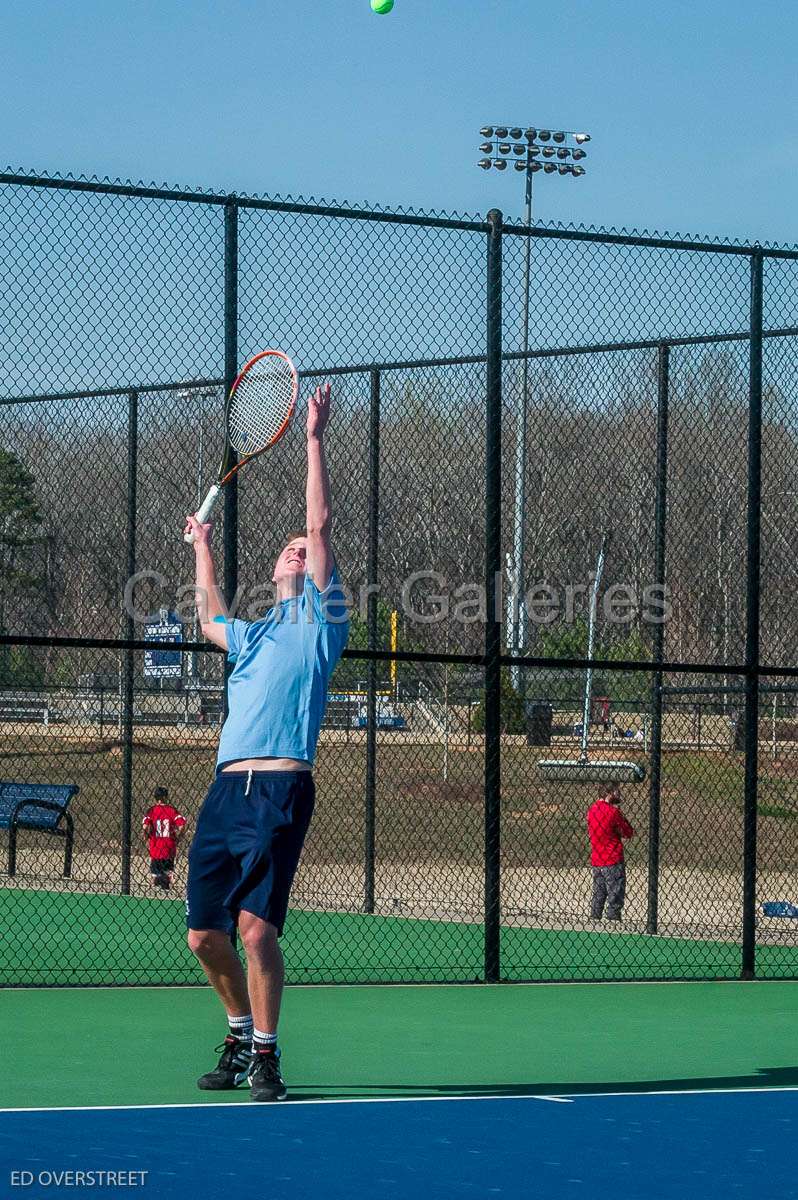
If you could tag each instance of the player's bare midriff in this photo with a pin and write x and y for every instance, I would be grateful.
(268, 764)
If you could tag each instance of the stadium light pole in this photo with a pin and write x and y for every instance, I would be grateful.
(530, 149)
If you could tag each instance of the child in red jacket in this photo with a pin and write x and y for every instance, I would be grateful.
(608, 827)
(162, 826)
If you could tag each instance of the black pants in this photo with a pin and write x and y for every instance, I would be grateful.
(161, 866)
(609, 887)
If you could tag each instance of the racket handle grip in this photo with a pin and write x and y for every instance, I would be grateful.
(204, 511)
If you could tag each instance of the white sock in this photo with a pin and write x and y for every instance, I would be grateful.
(263, 1041)
(241, 1027)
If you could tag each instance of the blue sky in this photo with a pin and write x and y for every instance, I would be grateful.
(323, 98)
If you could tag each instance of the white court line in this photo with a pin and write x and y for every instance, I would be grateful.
(56, 988)
(565, 1098)
(250, 1105)
(721, 1091)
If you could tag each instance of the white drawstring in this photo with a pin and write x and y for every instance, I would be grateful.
(249, 782)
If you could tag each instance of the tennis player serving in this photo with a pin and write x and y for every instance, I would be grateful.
(252, 825)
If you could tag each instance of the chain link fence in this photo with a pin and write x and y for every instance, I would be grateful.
(653, 415)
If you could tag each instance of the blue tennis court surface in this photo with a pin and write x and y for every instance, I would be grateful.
(646, 1145)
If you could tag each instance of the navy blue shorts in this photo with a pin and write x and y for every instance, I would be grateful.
(246, 847)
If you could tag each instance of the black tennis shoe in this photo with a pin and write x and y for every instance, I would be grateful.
(264, 1077)
(232, 1067)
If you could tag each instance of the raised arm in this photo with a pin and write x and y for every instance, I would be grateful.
(209, 599)
(319, 559)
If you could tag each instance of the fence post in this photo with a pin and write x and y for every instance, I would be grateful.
(748, 965)
(658, 647)
(128, 662)
(230, 540)
(492, 766)
(372, 571)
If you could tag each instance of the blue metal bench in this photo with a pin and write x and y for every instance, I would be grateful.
(40, 806)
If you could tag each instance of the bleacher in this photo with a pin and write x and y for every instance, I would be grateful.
(25, 708)
(341, 710)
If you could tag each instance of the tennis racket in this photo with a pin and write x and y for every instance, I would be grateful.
(257, 414)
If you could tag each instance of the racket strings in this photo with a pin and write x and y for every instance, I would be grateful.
(260, 406)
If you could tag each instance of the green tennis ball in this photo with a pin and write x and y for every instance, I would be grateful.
(382, 6)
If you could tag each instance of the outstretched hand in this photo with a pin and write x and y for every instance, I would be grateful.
(318, 411)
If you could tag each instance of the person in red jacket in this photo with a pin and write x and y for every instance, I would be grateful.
(162, 826)
(607, 827)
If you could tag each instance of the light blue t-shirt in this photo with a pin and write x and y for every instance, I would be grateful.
(277, 691)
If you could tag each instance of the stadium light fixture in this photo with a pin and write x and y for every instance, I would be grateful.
(522, 147)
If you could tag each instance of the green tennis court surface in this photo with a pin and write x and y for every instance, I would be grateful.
(91, 938)
(148, 1045)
